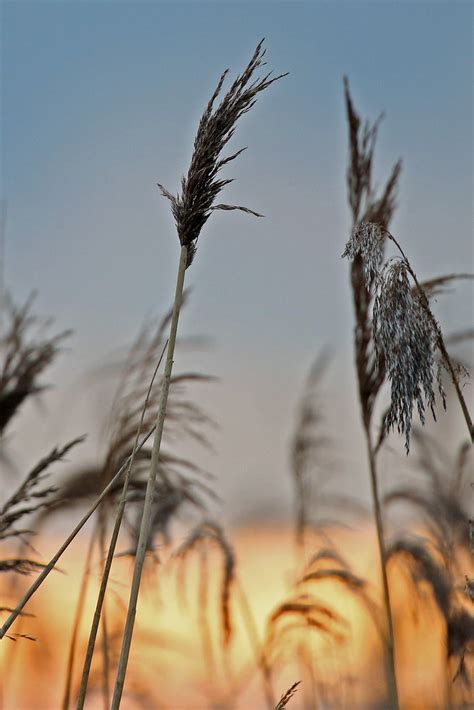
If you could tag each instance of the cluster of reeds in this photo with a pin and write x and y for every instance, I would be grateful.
(396, 334)
(191, 209)
(138, 491)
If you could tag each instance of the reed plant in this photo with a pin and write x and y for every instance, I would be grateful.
(191, 209)
(396, 334)
(367, 206)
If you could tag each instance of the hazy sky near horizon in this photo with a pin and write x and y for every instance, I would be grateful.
(100, 101)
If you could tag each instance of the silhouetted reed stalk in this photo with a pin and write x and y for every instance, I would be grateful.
(47, 569)
(103, 620)
(365, 206)
(191, 210)
(256, 643)
(111, 550)
(286, 697)
(77, 622)
(147, 509)
(437, 560)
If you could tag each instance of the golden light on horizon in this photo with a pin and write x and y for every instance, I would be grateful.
(178, 657)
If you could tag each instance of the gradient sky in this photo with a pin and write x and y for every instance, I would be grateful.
(100, 100)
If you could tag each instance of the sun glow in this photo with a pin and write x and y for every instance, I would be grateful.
(179, 658)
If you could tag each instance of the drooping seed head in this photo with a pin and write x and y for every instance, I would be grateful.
(367, 241)
(405, 336)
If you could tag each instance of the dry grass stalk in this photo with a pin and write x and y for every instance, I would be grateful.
(87, 483)
(442, 501)
(286, 697)
(111, 550)
(27, 500)
(459, 622)
(47, 569)
(27, 351)
(304, 610)
(210, 532)
(256, 643)
(77, 622)
(366, 206)
(309, 447)
(438, 560)
(191, 210)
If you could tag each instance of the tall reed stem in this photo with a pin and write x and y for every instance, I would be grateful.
(105, 635)
(77, 621)
(148, 507)
(389, 640)
(111, 551)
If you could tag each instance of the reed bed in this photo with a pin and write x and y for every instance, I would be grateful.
(151, 505)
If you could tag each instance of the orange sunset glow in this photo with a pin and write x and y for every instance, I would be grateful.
(174, 665)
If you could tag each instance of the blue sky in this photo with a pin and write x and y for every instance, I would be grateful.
(100, 100)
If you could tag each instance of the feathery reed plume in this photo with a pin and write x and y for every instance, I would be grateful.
(211, 532)
(309, 446)
(304, 610)
(313, 460)
(286, 697)
(200, 188)
(367, 207)
(27, 351)
(406, 334)
(440, 559)
(179, 478)
(111, 552)
(459, 622)
(442, 501)
(405, 338)
(328, 564)
(191, 210)
(129, 415)
(28, 499)
(48, 568)
(440, 344)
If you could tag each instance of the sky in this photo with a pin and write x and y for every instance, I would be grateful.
(101, 100)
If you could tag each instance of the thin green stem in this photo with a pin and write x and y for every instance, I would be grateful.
(148, 506)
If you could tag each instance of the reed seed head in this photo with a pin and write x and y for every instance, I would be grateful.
(367, 241)
(405, 336)
(199, 189)
(404, 332)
